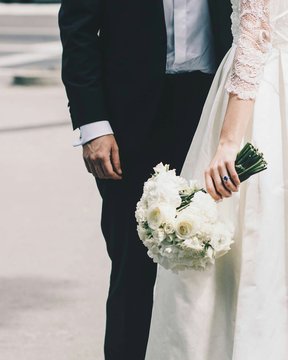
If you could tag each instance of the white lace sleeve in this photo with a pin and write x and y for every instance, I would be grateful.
(252, 48)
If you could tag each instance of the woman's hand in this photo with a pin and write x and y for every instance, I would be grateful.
(221, 177)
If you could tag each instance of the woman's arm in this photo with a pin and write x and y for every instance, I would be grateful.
(251, 54)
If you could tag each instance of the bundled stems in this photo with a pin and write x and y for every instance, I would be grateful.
(249, 162)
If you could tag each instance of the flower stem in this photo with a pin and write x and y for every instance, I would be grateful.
(249, 162)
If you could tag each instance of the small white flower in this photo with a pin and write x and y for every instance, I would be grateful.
(142, 233)
(193, 244)
(161, 168)
(140, 213)
(169, 227)
(171, 237)
(194, 185)
(210, 253)
(159, 235)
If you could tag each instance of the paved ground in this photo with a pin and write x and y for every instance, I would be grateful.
(53, 264)
(29, 41)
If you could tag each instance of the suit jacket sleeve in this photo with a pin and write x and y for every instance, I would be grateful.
(82, 72)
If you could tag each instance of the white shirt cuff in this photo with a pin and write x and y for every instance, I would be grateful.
(92, 131)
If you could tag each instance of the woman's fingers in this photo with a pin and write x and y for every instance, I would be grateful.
(226, 177)
(210, 187)
(221, 176)
(218, 181)
(233, 174)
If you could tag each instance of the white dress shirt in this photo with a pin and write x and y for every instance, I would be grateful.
(189, 48)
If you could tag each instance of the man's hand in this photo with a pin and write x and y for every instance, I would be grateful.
(101, 157)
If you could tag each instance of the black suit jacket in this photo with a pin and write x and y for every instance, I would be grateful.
(114, 59)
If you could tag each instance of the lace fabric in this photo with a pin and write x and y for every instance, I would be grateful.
(252, 35)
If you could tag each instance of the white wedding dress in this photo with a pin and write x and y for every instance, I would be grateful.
(238, 310)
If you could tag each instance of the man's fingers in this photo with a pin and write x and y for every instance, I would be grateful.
(115, 157)
(101, 158)
(87, 166)
(108, 170)
(95, 170)
(102, 169)
(99, 171)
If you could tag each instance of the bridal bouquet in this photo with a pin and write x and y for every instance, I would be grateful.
(178, 221)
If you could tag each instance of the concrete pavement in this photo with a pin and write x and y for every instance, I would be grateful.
(30, 49)
(53, 264)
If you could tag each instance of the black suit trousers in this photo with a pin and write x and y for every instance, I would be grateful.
(133, 274)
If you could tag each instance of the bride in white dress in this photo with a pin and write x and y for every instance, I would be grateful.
(238, 310)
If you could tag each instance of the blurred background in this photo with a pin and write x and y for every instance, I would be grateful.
(53, 264)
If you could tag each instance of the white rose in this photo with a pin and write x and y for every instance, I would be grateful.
(159, 214)
(186, 225)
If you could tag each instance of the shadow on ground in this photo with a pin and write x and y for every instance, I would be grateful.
(33, 294)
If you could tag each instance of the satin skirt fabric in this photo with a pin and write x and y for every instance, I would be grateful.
(237, 310)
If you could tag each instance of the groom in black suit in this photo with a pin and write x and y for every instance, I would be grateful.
(137, 73)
